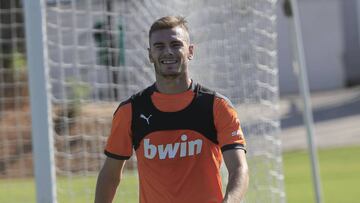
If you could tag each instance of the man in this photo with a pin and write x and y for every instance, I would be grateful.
(179, 130)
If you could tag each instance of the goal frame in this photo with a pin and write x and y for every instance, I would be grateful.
(42, 137)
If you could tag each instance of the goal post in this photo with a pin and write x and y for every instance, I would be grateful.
(299, 64)
(42, 134)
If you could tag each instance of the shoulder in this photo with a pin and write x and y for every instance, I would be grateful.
(123, 106)
(219, 99)
(204, 90)
(126, 104)
(223, 100)
(143, 92)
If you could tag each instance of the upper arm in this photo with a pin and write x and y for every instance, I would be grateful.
(236, 164)
(108, 180)
(112, 168)
(235, 160)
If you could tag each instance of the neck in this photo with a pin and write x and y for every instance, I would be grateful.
(172, 85)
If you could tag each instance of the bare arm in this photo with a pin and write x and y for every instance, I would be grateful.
(236, 164)
(108, 180)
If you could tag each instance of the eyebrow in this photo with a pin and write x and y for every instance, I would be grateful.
(176, 41)
(172, 42)
(158, 43)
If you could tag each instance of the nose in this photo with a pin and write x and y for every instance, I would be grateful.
(168, 51)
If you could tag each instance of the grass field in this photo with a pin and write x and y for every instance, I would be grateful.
(75, 190)
(340, 174)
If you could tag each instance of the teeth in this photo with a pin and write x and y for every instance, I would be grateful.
(168, 61)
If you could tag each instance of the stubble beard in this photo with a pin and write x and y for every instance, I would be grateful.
(165, 75)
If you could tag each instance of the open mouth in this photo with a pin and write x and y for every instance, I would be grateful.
(168, 61)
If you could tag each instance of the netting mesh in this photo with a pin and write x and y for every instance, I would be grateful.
(15, 131)
(98, 57)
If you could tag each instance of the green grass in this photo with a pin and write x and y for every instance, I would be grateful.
(86, 186)
(340, 174)
(17, 190)
(74, 190)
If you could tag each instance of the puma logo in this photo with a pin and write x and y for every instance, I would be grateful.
(146, 118)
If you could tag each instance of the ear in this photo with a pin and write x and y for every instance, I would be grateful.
(191, 52)
(150, 56)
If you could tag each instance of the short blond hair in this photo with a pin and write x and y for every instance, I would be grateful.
(168, 22)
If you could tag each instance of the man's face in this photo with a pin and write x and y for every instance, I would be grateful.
(170, 51)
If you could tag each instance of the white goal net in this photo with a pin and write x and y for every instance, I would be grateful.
(97, 57)
(15, 124)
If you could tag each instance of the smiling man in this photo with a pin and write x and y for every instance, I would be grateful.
(179, 130)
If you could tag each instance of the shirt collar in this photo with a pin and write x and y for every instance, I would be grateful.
(191, 87)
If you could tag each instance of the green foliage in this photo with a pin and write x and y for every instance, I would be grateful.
(19, 62)
(18, 66)
(287, 8)
(78, 92)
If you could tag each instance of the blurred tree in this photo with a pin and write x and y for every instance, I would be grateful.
(110, 54)
(11, 31)
(12, 51)
(287, 8)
